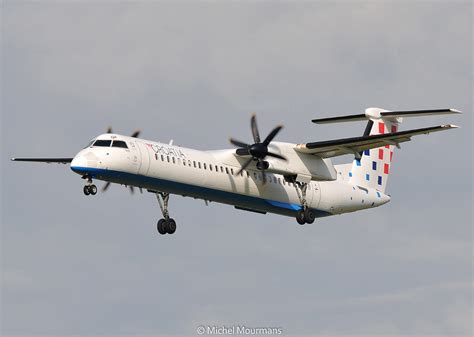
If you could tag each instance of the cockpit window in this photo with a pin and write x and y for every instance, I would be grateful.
(119, 143)
(102, 142)
(90, 143)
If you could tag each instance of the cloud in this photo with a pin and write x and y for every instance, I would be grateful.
(193, 73)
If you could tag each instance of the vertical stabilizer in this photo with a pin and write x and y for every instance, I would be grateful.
(373, 168)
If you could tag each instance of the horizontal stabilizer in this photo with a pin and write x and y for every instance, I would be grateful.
(355, 145)
(45, 160)
(419, 113)
(385, 114)
(348, 118)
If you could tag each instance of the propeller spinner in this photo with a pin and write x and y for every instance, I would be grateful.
(258, 150)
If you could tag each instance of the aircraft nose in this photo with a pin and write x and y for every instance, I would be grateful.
(79, 163)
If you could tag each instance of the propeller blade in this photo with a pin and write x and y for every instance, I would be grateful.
(246, 164)
(106, 186)
(238, 143)
(242, 152)
(253, 125)
(272, 134)
(136, 133)
(109, 129)
(270, 154)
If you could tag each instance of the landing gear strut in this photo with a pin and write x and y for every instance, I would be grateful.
(305, 214)
(89, 188)
(166, 225)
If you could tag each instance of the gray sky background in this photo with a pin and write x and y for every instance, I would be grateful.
(194, 72)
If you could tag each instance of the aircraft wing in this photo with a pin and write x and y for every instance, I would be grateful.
(45, 160)
(339, 147)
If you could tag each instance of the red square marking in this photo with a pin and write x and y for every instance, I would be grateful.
(381, 127)
(387, 146)
(381, 154)
(385, 168)
(394, 128)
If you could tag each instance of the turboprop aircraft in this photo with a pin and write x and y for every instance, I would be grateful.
(297, 180)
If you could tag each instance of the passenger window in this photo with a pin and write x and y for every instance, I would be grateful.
(162, 158)
(204, 166)
(222, 170)
(120, 143)
(199, 164)
(168, 158)
(102, 143)
(210, 167)
(189, 163)
(173, 160)
(194, 162)
(184, 162)
(227, 170)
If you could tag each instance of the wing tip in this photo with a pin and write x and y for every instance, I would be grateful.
(450, 126)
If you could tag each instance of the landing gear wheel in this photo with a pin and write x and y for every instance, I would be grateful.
(167, 224)
(300, 217)
(93, 189)
(170, 226)
(160, 226)
(309, 216)
(86, 190)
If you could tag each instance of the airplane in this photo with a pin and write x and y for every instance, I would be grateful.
(297, 180)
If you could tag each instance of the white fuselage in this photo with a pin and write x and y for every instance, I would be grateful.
(212, 175)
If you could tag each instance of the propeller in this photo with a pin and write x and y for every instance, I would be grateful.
(259, 150)
(135, 134)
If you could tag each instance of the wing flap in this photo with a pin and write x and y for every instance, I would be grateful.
(339, 147)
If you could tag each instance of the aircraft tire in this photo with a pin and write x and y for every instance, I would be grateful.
(86, 190)
(160, 226)
(309, 216)
(300, 217)
(170, 226)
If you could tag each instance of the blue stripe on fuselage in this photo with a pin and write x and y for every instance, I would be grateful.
(174, 187)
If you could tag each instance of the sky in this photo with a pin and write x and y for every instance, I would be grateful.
(194, 72)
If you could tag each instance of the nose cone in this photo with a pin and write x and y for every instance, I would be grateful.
(79, 163)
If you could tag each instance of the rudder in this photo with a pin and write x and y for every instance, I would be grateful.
(373, 168)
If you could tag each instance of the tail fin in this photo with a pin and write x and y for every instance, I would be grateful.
(373, 167)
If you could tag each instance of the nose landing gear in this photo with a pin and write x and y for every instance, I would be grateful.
(166, 225)
(89, 188)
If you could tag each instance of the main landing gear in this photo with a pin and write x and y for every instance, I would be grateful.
(305, 214)
(166, 225)
(89, 188)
